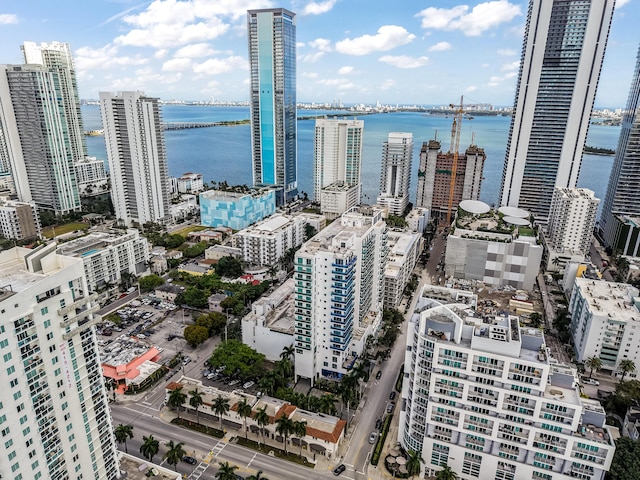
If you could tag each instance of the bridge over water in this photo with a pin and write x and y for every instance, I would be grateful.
(185, 125)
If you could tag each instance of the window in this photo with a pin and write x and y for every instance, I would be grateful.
(11, 370)
(14, 383)
(47, 323)
(7, 357)
(44, 310)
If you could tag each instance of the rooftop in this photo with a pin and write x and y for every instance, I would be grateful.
(615, 300)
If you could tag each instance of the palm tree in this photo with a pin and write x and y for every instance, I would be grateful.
(122, 433)
(285, 367)
(626, 366)
(288, 352)
(226, 471)
(196, 401)
(328, 404)
(594, 364)
(220, 407)
(414, 459)
(446, 474)
(149, 447)
(300, 430)
(244, 410)
(262, 419)
(284, 426)
(174, 454)
(176, 399)
(257, 476)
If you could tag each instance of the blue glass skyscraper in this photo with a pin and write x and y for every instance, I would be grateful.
(272, 59)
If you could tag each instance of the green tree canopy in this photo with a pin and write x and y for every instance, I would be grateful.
(195, 250)
(122, 433)
(195, 335)
(238, 359)
(194, 297)
(626, 460)
(229, 267)
(150, 282)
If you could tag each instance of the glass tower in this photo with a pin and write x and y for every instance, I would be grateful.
(562, 55)
(272, 58)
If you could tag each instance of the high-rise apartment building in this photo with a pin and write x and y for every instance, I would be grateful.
(397, 153)
(272, 64)
(483, 395)
(562, 55)
(434, 177)
(571, 219)
(623, 195)
(137, 156)
(19, 220)
(337, 160)
(339, 276)
(42, 128)
(54, 414)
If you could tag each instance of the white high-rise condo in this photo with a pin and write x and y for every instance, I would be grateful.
(397, 153)
(562, 55)
(54, 414)
(339, 276)
(272, 64)
(42, 129)
(572, 218)
(137, 157)
(621, 207)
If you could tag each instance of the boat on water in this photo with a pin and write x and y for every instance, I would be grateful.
(94, 133)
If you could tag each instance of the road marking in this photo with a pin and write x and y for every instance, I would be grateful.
(252, 459)
(199, 470)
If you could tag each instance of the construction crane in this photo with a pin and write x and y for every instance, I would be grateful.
(455, 145)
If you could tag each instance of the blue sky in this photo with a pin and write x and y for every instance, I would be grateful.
(360, 51)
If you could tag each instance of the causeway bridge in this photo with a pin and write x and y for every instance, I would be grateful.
(185, 125)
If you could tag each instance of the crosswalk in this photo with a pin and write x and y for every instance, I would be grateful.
(198, 471)
(204, 465)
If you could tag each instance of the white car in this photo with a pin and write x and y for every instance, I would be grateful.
(590, 381)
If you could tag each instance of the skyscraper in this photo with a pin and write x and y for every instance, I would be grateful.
(571, 219)
(272, 63)
(137, 157)
(623, 193)
(42, 128)
(397, 153)
(54, 416)
(562, 55)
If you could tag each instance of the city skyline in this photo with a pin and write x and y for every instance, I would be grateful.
(195, 50)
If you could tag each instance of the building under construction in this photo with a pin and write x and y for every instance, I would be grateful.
(435, 178)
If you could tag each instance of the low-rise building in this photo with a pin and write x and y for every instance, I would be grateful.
(631, 424)
(188, 183)
(318, 222)
(404, 251)
(129, 364)
(216, 252)
(168, 292)
(417, 219)
(19, 220)
(236, 210)
(215, 300)
(207, 235)
(337, 198)
(187, 207)
(92, 176)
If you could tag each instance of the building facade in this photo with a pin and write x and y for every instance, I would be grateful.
(62, 428)
(623, 198)
(604, 322)
(236, 210)
(434, 177)
(404, 251)
(91, 175)
(337, 160)
(42, 129)
(190, 183)
(337, 198)
(272, 64)
(562, 55)
(266, 242)
(481, 396)
(339, 276)
(395, 181)
(137, 157)
(19, 220)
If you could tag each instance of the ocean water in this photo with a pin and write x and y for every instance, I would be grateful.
(224, 153)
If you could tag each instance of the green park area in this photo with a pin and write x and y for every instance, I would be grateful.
(57, 230)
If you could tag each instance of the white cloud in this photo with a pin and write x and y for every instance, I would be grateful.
(440, 47)
(317, 8)
(169, 35)
(346, 70)
(404, 61)
(321, 44)
(195, 50)
(387, 38)
(621, 3)
(312, 57)
(160, 53)
(8, 18)
(87, 58)
(507, 52)
(176, 65)
(300, 44)
(310, 75)
(471, 88)
(339, 83)
(510, 66)
(387, 84)
(215, 66)
(474, 22)
(496, 80)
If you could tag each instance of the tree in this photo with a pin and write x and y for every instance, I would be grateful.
(626, 460)
(594, 364)
(149, 447)
(299, 430)
(220, 407)
(257, 476)
(174, 454)
(626, 366)
(262, 419)
(285, 367)
(194, 297)
(284, 426)
(309, 231)
(229, 267)
(238, 358)
(226, 471)
(150, 282)
(244, 411)
(288, 352)
(446, 474)
(196, 401)
(122, 433)
(414, 459)
(194, 335)
(176, 399)
(328, 404)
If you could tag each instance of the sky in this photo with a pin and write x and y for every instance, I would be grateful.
(359, 51)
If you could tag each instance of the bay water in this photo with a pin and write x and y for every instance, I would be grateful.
(224, 153)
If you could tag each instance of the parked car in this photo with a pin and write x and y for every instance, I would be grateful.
(189, 460)
(590, 381)
(392, 395)
(379, 374)
(373, 437)
(339, 469)
(378, 424)
(248, 385)
(390, 407)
